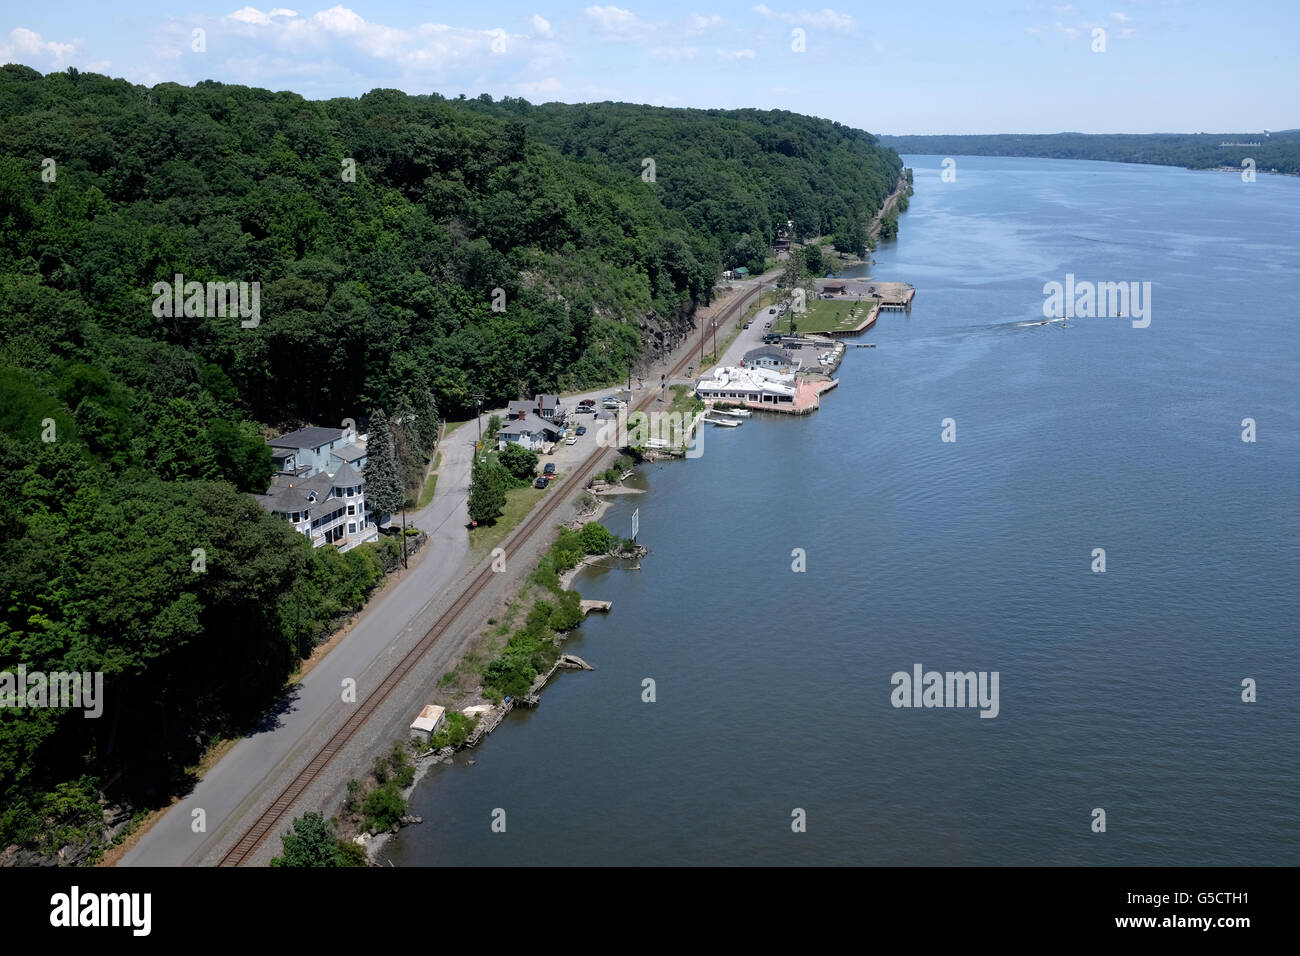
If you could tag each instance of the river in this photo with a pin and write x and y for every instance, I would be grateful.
(1120, 691)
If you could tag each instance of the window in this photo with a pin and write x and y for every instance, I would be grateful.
(351, 527)
(352, 509)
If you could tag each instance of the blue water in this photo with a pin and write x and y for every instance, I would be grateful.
(1120, 691)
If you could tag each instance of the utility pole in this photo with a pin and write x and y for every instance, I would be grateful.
(478, 416)
(404, 565)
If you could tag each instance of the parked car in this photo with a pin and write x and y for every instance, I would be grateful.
(571, 440)
(587, 403)
(549, 469)
(541, 482)
(582, 429)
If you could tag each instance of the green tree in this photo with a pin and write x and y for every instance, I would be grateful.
(596, 538)
(383, 478)
(487, 493)
(521, 462)
(813, 259)
(315, 842)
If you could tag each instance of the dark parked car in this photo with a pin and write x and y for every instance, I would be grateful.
(541, 482)
(587, 403)
(582, 430)
(549, 469)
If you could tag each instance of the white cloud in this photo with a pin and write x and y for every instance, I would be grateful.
(27, 45)
(613, 20)
(825, 17)
(1071, 32)
(737, 54)
(673, 52)
(1120, 17)
(256, 17)
(541, 26)
(697, 23)
(340, 30)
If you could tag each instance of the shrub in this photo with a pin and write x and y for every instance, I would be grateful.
(384, 806)
(519, 461)
(596, 538)
(454, 731)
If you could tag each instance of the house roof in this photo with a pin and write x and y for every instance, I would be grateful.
(347, 475)
(351, 453)
(430, 714)
(530, 424)
(549, 400)
(780, 354)
(307, 438)
(730, 378)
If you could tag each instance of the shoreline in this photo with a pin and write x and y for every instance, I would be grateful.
(374, 845)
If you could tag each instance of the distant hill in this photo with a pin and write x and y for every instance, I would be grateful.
(1277, 152)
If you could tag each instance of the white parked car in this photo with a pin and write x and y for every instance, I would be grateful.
(571, 440)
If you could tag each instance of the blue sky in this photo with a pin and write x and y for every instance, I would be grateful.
(896, 67)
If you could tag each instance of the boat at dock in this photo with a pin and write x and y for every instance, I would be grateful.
(737, 412)
(725, 423)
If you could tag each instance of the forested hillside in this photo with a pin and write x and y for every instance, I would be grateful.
(377, 230)
(736, 175)
(1277, 152)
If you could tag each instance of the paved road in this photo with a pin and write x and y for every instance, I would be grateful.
(259, 762)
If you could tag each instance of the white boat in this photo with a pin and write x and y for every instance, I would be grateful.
(737, 412)
(723, 422)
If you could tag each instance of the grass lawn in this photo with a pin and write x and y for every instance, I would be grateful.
(519, 501)
(430, 483)
(684, 400)
(827, 315)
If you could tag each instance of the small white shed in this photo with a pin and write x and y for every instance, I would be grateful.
(426, 725)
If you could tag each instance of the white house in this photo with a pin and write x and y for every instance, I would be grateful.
(771, 357)
(530, 431)
(762, 385)
(328, 509)
(310, 451)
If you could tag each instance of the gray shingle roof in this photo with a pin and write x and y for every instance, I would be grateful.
(351, 453)
(307, 438)
(346, 475)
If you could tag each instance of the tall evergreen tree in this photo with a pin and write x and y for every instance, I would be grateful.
(487, 493)
(383, 480)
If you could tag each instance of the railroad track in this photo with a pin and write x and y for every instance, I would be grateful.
(271, 818)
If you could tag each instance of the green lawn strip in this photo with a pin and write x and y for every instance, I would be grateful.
(430, 482)
(519, 501)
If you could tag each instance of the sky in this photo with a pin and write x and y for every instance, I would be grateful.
(899, 67)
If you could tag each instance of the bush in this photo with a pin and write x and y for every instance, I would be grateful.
(395, 766)
(313, 842)
(568, 614)
(384, 806)
(596, 538)
(454, 732)
(519, 461)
